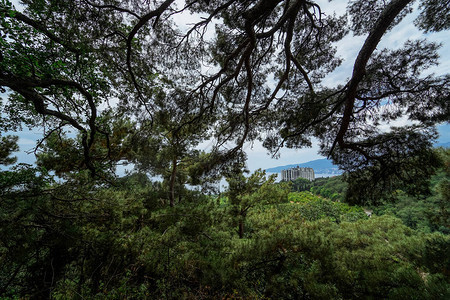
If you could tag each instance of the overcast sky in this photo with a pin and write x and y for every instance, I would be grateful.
(347, 49)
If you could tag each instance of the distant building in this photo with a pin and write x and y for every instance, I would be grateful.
(294, 173)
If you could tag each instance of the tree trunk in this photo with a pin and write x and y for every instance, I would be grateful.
(241, 229)
(172, 183)
(242, 215)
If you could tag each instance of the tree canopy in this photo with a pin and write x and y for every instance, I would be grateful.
(246, 70)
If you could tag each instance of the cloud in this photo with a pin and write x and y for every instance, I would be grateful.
(258, 156)
(400, 122)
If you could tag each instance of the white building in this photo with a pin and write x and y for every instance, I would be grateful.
(294, 173)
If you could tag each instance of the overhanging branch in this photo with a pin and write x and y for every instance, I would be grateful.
(391, 11)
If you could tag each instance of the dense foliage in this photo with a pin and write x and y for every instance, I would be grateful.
(110, 83)
(79, 239)
(334, 188)
(426, 212)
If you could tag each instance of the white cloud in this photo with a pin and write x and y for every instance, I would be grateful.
(258, 156)
(400, 122)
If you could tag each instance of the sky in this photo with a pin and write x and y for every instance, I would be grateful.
(347, 49)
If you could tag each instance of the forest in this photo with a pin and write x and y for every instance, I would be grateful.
(144, 85)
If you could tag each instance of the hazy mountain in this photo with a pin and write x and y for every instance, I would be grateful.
(445, 145)
(325, 166)
(320, 166)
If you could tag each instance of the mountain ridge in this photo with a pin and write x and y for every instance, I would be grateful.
(320, 166)
(325, 166)
(444, 145)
